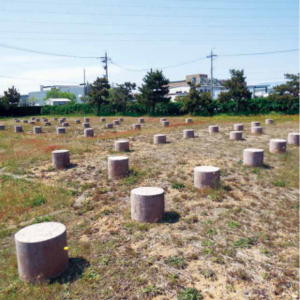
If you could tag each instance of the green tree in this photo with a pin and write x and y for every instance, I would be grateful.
(11, 98)
(120, 95)
(197, 102)
(98, 93)
(237, 91)
(154, 90)
(291, 87)
(56, 93)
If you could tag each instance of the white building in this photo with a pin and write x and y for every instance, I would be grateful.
(57, 101)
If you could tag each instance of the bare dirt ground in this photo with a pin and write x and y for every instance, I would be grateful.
(237, 242)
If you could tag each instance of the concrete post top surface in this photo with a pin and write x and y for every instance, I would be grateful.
(60, 151)
(211, 126)
(253, 150)
(188, 130)
(40, 232)
(239, 124)
(117, 158)
(205, 169)
(294, 133)
(159, 134)
(148, 191)
(122, 141)
(278, 140)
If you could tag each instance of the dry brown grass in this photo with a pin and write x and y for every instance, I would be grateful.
(237, 242)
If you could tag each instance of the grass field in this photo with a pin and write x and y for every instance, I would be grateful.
(239, 241)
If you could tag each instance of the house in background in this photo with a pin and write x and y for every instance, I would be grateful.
(57, 101)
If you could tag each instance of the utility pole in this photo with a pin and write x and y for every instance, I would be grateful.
(105, 59)
(212, 56)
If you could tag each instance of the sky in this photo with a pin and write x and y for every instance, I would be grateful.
(171, 35)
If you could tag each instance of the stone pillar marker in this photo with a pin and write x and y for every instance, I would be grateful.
(236, 135)
(118, 167)
(2, 127)
(213, 129)
(253, 157)
(269, 121)
(121, 145)
(37, 129)
(294, 138)
(255, 124)
(165, 123)
(60, 159)
(188, 120)
(18, 128)
(47, 124)
(102, 119)
(77, 121)
(277, 146)
(25, 121)
(65, 124)
(86, 125)
(41, 251)
(136, 126)
(159, 139)
(162, 119)
(141, 120)
(206, 177)
(147, 204)
(188, 133)
(256, 130)
(238, 127)
(86, 120)
(60, 130)
(88, 132)
(116, 122)
(109, 125)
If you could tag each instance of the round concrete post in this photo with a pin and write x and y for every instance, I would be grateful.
(253, 157)
(255, 124)
(147, 204)
(47, 124)
(109, 125)
(18, 128)
(294, 138)
(41, 251)
(102, 119)
(188, 133)
(60, 130)
(121, 119)
(236, 135)
(2, 127)
(37, 129)
(238, 127)
(162, 120)
(55, 119)
(188, 120)
(66, 124)
(121, 145)
(277, 146)
(165, 123)
(213, 129)
(118, 167)
(33, 118)
(141, 120)
(269, 121)
(136, 126)
(88, 132)
(60, 159)
(159, 139)
(77, 121)
(17, 121)
(25, 121)
(256, 130)
(32, 122)
(86, 125)
(86, 120)
(116, 122)
(61, 121)
(37, 120)
(206, 177)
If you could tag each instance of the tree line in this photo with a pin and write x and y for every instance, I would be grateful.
(152, 98)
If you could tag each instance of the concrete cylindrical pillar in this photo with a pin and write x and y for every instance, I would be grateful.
(213, 129)
(121, 145)
(18, 128)
(162, 120)
(86, 120)
(86, 125)
(294, 138)
(253, 157)
(206, 177)
(188, 120)
(60, 159)
(147, 204)
(25, 121)
(188, 133)
(159, 139)
(88, 132)
(269, 121)
(2, 127)
(61, 121)
(141, 120)
(256, 130)
(277, 146)
(60, 130)
(37, 120)
(255, 124)
(47, 124)
(66, 124)
(238, 127)
(136, 126)
(102, 119)
(77, 121)
(121, 119)
(37, 129)
(41, 251)
(116, 122)
(109, 125)
(165, 123)
(118, 167)
(236, 135)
